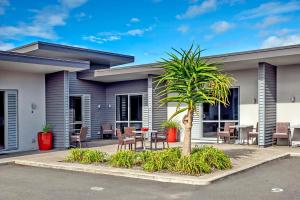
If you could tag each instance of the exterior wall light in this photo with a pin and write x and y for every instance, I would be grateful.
(33, 107)
(293, 99)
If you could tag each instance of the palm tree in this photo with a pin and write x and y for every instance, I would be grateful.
(189, 80)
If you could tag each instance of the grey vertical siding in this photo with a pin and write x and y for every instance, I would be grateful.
(136, 86)
(97, 92)
(57, 107)
(159, 112)
(267, 98)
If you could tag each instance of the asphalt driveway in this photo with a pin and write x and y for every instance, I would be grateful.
(276, 180)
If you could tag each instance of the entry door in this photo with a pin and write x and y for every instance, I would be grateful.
(214, 116)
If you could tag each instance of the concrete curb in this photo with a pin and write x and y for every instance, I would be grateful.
(129, 173)
(7, 162)
(161, 177)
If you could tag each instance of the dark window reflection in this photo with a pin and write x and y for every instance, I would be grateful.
(210, 112)
(210, 129)
(230, 112)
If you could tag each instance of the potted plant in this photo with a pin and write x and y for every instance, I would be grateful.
(45, 138)
(172, 127)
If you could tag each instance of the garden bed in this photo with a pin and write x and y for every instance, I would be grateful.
(202, 160)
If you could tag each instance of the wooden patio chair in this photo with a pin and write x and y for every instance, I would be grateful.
(227, 133)
(107, 129)
(159, 137)
(124, 140)
(282, 131)
(129, 132)
(253, 134)
(80, 137)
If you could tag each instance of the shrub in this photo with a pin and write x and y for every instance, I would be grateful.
(215, 158)
(93, 156)
(196, 149)
(143, 157)
(159, 160)
(203, 160)
(154, 162)
(123, 158)
(75, 155)
(86, 156)
(192, 165)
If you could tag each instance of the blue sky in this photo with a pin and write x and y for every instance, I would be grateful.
(149, 28)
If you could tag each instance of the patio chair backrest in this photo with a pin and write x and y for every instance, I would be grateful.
(83, 133)
(227, 125)
(119, 134)
(282, 127)
(129, 131)
(106, 126)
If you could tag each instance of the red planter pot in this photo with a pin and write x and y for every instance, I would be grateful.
(172, 134)
(45, 140)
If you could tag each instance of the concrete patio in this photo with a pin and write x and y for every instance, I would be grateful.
(243, 157)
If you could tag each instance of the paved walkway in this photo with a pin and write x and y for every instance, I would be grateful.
(242, 156)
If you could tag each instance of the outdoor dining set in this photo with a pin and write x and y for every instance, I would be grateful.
(248, 133)
(132, 136)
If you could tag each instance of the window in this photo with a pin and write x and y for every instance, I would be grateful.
(129, 111)
(214, 116)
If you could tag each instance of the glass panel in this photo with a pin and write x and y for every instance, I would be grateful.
(136, 106)
(121, 126)
(75, 109)
(210, 112)
(210, 129)
(222, 124)
(2, 128)
(231, 111)
(122, 108)
(137, 125)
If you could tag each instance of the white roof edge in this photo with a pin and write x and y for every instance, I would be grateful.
(19, 57)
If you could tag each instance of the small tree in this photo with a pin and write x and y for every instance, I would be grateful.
(189, 80)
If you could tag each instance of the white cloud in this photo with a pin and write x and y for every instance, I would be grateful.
(6, 46)
(113, 36)
(183, 28)
(271, 20)
(196, 10)
(270, 8)
(275, 41)
(101, 40)
(221, 26)
(135, 20)
(82, 16)
(135, 32)
(3, 5)
(44, 22)
(71, 4)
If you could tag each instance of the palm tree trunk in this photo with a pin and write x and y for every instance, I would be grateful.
(186, 150)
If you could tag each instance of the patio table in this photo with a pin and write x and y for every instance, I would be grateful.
(295, 137)
(243, 131)
(145, 136)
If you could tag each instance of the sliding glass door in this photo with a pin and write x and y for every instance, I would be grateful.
(129, 111)
(214, 116)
